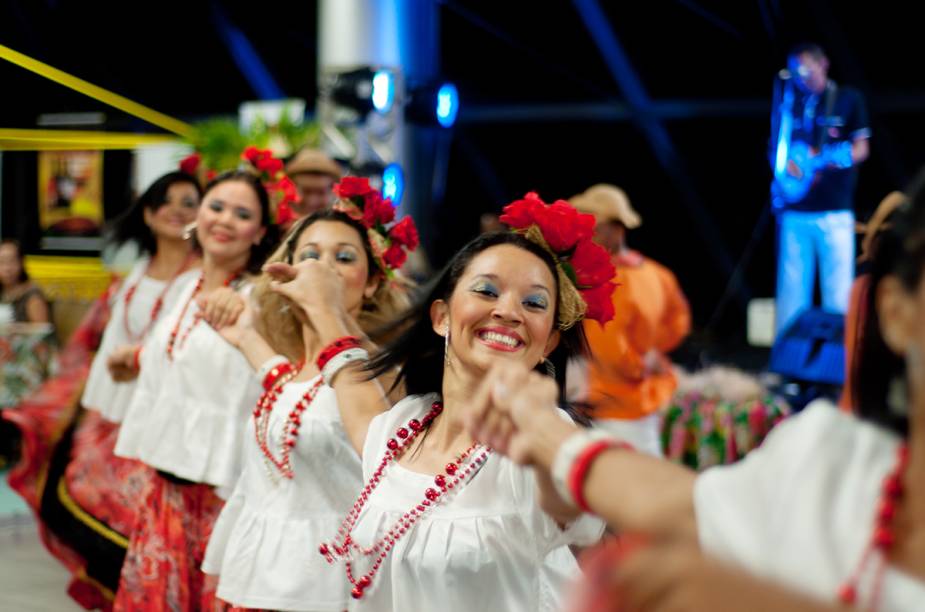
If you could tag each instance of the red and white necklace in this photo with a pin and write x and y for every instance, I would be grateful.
(883, 537)
(454, 477)
(290, 428)
(158, 303)
(172, 341)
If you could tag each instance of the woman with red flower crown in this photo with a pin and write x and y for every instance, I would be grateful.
(442, 522)
(188, 414)
(323, 290)
(831, 506)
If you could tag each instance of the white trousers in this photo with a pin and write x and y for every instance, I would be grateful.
(805, 238)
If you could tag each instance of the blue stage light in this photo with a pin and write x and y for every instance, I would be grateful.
(393, 183)
(383, 91)
(447, 104)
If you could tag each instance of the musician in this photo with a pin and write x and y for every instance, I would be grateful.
(822, 134)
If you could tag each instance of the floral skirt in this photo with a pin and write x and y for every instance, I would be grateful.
(166, 549)
(90, 503)
(105, 486)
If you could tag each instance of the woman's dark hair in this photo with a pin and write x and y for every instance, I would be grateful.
(419, 351)
(130, 225)
(23, 275)
(899, 252)
(261, 251)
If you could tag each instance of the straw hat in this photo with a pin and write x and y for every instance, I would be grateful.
(313, 160)
(607, 203)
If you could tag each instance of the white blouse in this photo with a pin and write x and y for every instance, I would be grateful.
(102, 393)
(488, 546)
(188, 415)
(801, 509)
(264, 546)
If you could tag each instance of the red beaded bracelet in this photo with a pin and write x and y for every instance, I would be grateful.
(273, 375)
(338, 346)
(582, 465)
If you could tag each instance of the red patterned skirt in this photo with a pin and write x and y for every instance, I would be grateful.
(166, 549)
(105, 486)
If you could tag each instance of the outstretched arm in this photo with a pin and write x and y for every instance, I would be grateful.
(631, 491)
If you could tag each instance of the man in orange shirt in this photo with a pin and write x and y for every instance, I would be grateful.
(630, 379)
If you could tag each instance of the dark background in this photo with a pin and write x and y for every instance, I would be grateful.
(714, 59)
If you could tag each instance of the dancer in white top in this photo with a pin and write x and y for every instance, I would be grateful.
(301, 473)
(442, 522)
(189, 412)
(99, 492)
(157, 222)
(831, 506)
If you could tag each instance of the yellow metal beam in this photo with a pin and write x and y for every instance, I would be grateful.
(89, 89)
(63, 146)
(67, 140)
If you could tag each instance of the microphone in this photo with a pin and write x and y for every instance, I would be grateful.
(784, 74)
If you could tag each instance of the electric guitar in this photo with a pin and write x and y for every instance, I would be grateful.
(802, 167)
(797, 164)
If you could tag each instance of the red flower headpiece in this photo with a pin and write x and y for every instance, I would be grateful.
(190, 164)
(390, 244)
(269, 169)
(280, 187)
(567, 235)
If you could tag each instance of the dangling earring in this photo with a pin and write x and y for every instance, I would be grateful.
(188, 230)
(446, 345)
(550, 367)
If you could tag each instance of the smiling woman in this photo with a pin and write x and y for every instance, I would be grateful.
(436, 503)
(323, 290)
(187, 416)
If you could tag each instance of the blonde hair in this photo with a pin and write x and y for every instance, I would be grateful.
(279, 321)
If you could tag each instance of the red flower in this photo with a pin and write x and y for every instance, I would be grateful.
(211, 174)
(592, 264)
(406, 233)
(521, 214)
(270, 165)
(563, 226)
(352, 186)
(190, 163)
(284, 214)
(290, 191)
(259, 157)
(394, 257)
(377, 211)
(251, 154)
(600, 302)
